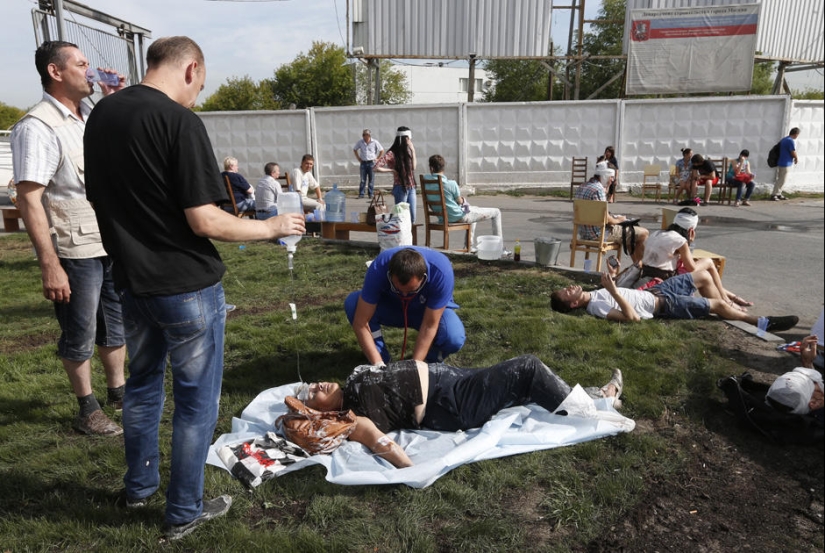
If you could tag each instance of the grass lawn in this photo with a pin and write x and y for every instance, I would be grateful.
(59, 490)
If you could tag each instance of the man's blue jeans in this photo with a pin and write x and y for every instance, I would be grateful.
(367, 174)
(188, 329)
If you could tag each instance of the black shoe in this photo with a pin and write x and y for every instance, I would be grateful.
(212, 508)
(782, 323)
(781, 197)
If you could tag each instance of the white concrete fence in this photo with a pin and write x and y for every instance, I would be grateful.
(516, 145)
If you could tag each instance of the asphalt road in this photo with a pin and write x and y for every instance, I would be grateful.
(774, 250)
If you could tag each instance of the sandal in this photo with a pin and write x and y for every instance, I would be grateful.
(740, 301)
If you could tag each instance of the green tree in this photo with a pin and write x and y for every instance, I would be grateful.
(318, 78)
(9, 115)
(517, 81)
(394, 88)
(241, 94)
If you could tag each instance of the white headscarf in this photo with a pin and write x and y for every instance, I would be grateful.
(604, 172)
(794, 389)
(686, 220)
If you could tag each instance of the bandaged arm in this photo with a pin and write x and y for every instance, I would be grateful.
(379, 443)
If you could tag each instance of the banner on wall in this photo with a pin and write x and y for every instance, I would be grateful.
(683, 50)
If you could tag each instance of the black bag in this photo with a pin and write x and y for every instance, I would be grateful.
(773, 156)
(377, 207)
(746, 399)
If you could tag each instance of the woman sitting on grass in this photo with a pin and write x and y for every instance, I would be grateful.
(667, 254)
(413, 394)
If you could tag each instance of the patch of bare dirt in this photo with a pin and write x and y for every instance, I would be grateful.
(738, 491)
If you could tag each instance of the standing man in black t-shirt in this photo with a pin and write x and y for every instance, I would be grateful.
(152, 178)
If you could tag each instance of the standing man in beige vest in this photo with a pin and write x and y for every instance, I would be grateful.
(47, 153)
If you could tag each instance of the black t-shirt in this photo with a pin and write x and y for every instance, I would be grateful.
(387, 396)
(147, 159)
(706, 168)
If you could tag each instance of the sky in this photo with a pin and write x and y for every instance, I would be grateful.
(239, 38)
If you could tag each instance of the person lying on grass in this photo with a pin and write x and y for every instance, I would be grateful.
(800, 391)
(671, 299)
(412, 394)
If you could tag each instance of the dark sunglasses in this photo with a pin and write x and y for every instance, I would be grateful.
(406, 294)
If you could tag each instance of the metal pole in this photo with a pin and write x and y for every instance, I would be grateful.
(471, 78)
(581, 49)
(61, 23)
(377, 82)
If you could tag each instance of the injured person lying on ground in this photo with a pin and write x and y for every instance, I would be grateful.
(413, 395)
(672, 299)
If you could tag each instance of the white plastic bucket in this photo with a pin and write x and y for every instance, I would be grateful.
(489, 247)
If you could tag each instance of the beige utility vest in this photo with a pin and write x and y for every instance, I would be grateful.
(72, 222)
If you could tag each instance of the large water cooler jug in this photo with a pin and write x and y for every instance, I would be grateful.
(290, 202)
(336, 205)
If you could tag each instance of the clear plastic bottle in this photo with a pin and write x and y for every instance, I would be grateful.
(336, 207)
(517, 251)
(290, 202)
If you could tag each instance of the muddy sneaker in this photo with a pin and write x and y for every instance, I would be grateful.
(97, 424)
(778, 324)
(212, 508)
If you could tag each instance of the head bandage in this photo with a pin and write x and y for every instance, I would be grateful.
(794, 389)
(408, 134)
(602, 170)
(302, 391)
(686, 220)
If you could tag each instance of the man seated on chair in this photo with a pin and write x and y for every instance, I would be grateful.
(458, 210)
(304, 182)
(241, 189)
(672, 299)
(703, 174)
(594, 189)
(266, 192)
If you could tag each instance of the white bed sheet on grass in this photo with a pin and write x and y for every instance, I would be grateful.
(512, 431)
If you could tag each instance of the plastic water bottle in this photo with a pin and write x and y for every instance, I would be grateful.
(336, 205)
(290, 202)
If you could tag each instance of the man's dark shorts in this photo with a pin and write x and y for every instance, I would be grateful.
(677, 300)
(93, 314)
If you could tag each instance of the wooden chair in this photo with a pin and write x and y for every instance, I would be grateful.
(667, 216)
(286, 181)
(673, 182)
(650, 181)
(248, 213)
(591, 213)
(435, 210)
(578, 173)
